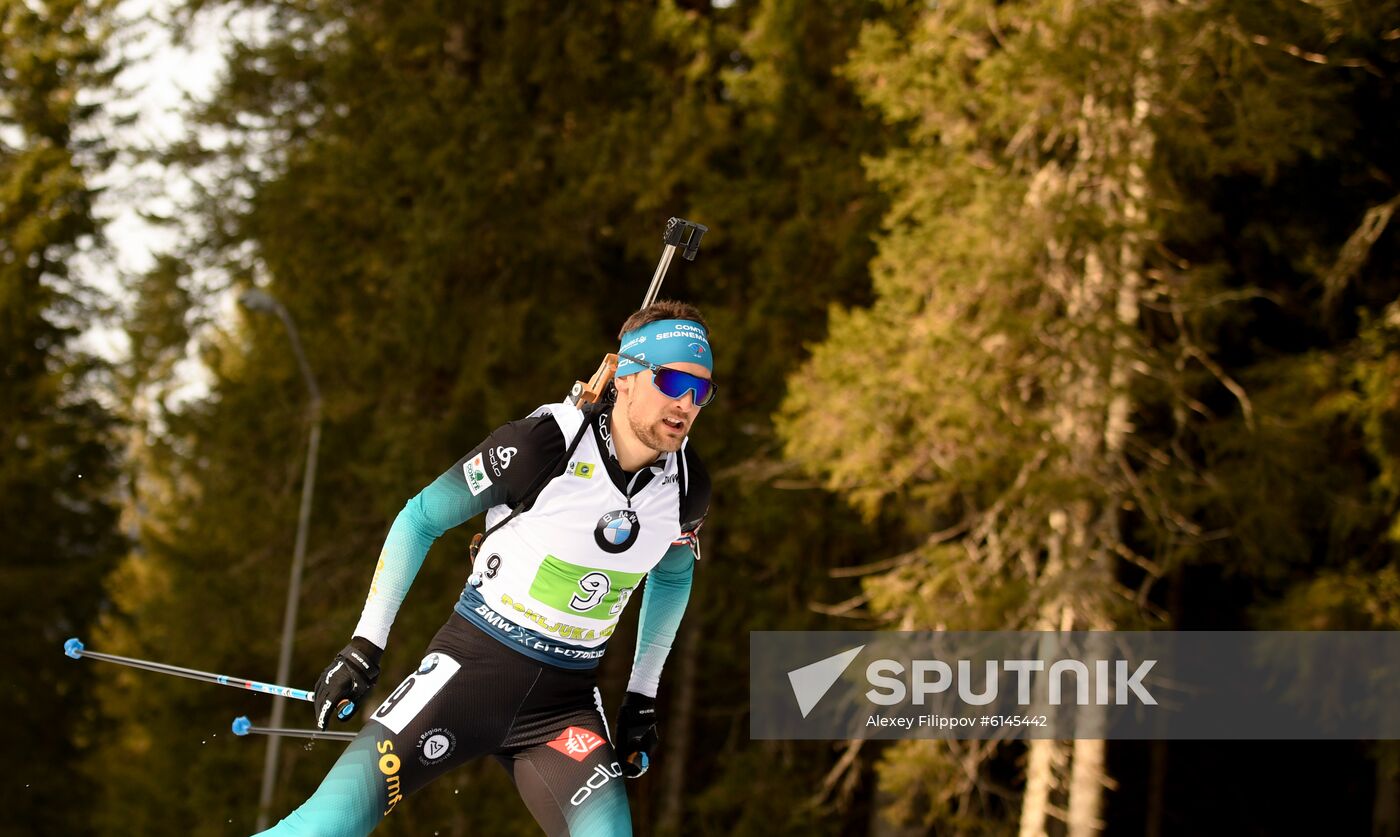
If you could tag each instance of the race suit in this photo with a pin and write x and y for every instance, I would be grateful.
(512, 674)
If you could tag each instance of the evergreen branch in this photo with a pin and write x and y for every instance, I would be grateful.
(1191, 350)
(1356, 250)
(902, 559)
(1215, 299)
(1138, 599)
(1234, 29)
(1246, 406)
(839, 771)
(841, 608)
(1313, 57)
(1142, 561)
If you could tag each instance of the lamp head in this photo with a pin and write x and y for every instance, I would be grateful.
(256, 300)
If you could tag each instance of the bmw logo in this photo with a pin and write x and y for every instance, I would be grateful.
(617, 531)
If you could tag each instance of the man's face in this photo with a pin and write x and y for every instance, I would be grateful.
(659, 421)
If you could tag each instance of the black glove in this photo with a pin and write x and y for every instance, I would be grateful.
(348, 678)
(636, 734)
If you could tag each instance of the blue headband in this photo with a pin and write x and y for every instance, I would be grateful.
(663, 342)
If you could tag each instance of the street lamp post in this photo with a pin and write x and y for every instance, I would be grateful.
(256, 300)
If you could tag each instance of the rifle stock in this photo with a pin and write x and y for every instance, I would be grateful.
(589, 393)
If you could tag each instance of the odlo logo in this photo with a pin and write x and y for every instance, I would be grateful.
(596, 780)
(506, 455)
(389, 766)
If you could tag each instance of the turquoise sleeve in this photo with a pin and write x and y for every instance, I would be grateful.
(663, 604)
(446, 503)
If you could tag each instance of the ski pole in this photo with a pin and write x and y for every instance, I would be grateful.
(74, 648)
(243, 726)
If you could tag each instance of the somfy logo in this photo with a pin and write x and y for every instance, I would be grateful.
(811, 682)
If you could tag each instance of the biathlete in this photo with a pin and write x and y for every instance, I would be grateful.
(580, 504)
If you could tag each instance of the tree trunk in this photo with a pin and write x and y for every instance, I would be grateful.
(1385, 814)
(1087, 776)
(1045, 757)
(1100, 279)
(1160, 749)
(1045, 761)
(1156, 789)
(1086, 785)
(680, 726)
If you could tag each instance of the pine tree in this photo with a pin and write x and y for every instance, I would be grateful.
(1044, 355)
(58, 475)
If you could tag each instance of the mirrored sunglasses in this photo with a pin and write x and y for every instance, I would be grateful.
(673, 383)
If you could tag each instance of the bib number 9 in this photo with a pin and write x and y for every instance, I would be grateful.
(594, 592)
(594, 586)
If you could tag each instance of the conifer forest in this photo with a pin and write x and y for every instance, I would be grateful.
(1026, 314)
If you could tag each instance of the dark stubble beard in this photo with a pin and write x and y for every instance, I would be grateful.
(648, 435)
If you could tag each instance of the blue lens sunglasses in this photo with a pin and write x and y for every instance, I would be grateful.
(673, 383)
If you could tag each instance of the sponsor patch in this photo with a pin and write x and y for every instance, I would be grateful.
(617, 531)
(500, 458)
(435, 745)
(594, 592)
(583, 470)
(475, 471)
(506, 455)
(389, 768)
(596, 780)
(577, 743)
